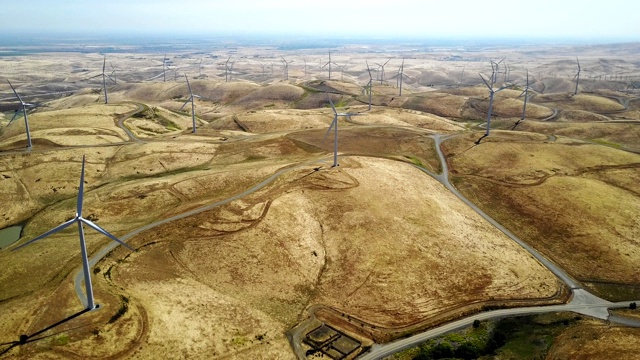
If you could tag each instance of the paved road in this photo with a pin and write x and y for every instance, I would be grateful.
(582, 301)
(112, 244)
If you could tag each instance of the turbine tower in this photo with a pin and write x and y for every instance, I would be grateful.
(23, 108)
(492, 92)
(369, 84)
(577, 77)
(525, 93)
(164, 68)
(329, 63)
(334, 125)
(399, 77)
(381, 70)
(286, 67)
(90, 305)
(227, 70)
(193, 106)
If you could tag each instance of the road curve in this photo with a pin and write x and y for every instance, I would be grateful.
(112, 244)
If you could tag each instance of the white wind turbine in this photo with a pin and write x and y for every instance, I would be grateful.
(23, 108)
(104, 79)
(83, 248)
(492, 92)
(164, 68)
(334, 125)
(329, 63)
(577, 76)
(227, 70)
(525, 93)
(381, 70)
(369, 84)
(193, 106)
(400, 77)
(286, 67)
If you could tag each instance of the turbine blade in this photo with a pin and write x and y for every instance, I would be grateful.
(80, 191)
(106, 233)
(332, 106)
(52, 231)
(15, 115)
(335, 119)
(188, 85)
(485, 82)
(185, 103)
(15, 92)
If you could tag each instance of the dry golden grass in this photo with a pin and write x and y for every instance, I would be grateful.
(258, 262)
(446, 105)
(536, 188)
(612, 134)
(596, 342)
(584, 102)
(93, 124)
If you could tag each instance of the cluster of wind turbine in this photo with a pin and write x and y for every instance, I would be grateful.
(494, 70)
(286, 67)
(369, 84)
(78, 219)
(23, 109)
(525, 95)
(577, 76)
(492, 91)
(381, 70)
(399, 77)
(193, 106)
(334, 126)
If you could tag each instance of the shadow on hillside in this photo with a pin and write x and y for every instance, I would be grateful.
(24, 339)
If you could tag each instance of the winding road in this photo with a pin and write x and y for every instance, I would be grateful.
(581, 302)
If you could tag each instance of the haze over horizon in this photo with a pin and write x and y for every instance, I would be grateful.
(499, 19)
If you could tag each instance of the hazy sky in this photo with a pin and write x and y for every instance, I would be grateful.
(563, 19)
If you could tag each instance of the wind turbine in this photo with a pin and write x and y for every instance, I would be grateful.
(494, 70)
(369, 84)
(577, 77)
(381, 72)
(305, 67)
(462, 75)
(492, 92)
(227, 75)
(399, 76)
(342, 71)
(164, 68)
(334, 125)
(83, 248)
(329, 63)
(286, 68)
(23, 106)
(525, 93)
(104, 79)
(193, 106)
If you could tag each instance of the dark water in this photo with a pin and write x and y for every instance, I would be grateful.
(9, 235)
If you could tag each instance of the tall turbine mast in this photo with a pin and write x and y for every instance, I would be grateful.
(193, 106)
(328, 63)
(381, 70)
(492, 92)
(577, 77)
(90, 304)
(525, 93)
(334, 125)
(23, 106)
(164, 68)
(286, 68)
(370, 84)
(227, 70)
